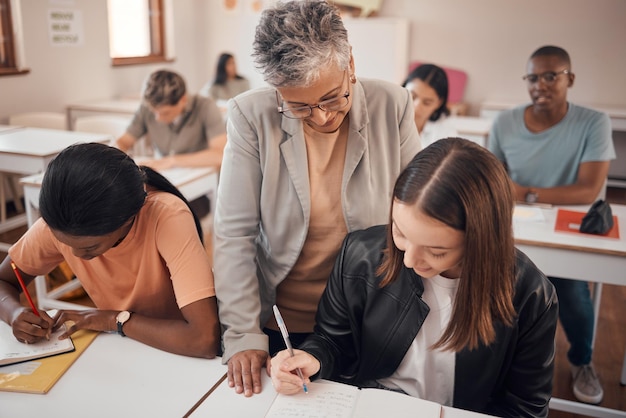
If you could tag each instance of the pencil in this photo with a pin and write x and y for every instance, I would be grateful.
(19, 279)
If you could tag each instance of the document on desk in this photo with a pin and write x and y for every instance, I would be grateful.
(327, 399)
(38, 376)
(570, 220)
(526, 213)
(12, 351)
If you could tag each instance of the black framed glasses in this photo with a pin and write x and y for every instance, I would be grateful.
(549, 77)
(303, 112)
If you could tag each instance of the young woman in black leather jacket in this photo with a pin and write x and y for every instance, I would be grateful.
(438, 304)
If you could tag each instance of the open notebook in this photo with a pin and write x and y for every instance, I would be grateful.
(330, 399)
(13, 351)
(46, 366)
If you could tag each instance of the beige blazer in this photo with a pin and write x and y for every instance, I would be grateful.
(263, 202)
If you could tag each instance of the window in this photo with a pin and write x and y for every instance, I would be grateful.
(8, 60)
(136, 31)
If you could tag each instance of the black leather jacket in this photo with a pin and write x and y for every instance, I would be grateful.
(363, 331)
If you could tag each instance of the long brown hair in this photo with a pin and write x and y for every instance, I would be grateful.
(464, 186)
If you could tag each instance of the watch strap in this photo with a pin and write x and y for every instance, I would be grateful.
(120, 325)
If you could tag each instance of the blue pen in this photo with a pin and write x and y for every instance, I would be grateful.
(283, 331)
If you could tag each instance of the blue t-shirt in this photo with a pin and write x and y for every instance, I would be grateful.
(551, 158)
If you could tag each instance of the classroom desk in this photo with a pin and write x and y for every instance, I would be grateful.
(224, 401)
(8, 179)
(30, 150)
(192, 183)
(475, 129)
(8, 128)
(581, 257)
(120, 377)
(124, 107)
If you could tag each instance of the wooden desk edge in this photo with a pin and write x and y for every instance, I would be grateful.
(206, 395)
(570, 247)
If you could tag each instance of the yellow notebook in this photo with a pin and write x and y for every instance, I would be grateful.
(38, 376)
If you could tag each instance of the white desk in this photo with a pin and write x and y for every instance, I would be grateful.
(580, 257)
(224, 401)
(30, 150)
(473, 128)
(124, 107)
(192, 183)
(120, 377)
(8, 128)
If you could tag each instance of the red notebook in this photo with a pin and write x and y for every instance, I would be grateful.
(569, 221)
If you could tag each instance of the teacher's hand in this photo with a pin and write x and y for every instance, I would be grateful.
(244, 371)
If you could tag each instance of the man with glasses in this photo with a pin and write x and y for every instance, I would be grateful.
(309, 159)
(557, 152)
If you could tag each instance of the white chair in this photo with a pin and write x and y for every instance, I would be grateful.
(47, 120)
(112, 125)
(103, 124)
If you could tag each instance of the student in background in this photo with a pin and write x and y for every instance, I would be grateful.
(558, 152)
(227, 83)
(308, 159)
(437, 304)
(185, 130)
(133, 242)
(428, 85)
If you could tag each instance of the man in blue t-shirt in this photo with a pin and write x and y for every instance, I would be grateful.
(557, 152)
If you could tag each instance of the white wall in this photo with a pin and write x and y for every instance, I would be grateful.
(489, 39)
(492, 39)
(59, 75)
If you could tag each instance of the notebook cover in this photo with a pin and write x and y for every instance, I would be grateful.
(569, 221)
(38, 376)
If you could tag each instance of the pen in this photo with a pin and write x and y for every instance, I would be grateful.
(283, 331)
(19, 279)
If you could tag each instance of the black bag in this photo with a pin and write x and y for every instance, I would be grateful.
(599, 219)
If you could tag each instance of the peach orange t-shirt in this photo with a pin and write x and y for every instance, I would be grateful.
(159, 267)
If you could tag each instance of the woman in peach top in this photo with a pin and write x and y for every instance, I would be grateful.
(131, 239)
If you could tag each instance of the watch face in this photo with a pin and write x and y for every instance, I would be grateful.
(123, 316)
(531, 197)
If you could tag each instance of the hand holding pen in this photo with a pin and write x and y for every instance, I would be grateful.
(285, 334)
(38, 330)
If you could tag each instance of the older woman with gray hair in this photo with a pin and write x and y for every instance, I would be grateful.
(310, 158)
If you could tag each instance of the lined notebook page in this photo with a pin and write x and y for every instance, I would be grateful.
(13, 351)
(335, 400)
(324, 400)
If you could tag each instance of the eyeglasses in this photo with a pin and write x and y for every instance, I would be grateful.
(548, 77)
(303, 112)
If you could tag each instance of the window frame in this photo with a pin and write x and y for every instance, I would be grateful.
(158, 33)
(12, 45)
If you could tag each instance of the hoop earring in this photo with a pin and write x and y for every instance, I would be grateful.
(352, 78)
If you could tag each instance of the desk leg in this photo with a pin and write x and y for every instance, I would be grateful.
(3, 198)
(597, 298)
(622, 381)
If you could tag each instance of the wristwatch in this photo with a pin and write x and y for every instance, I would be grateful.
(121, 319)
(531, 196)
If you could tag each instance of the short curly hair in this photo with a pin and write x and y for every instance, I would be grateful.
(295, 40)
